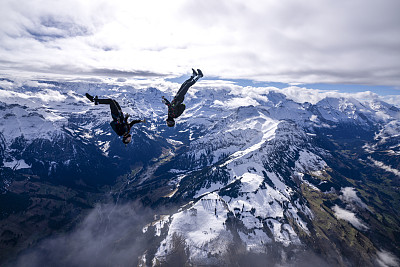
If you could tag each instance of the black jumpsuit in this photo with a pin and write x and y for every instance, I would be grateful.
(119, 124)
(176, 106)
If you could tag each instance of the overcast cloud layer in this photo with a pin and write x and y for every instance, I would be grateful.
(291, 41)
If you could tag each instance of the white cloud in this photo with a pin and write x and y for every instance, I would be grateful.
(385, 167)
(350, 217)
(108, 235)
(387, 259)
(237, 102)
(6, 84)
(287, 41)
(349, 195)
(50, 95)
(45, 95)
(392, 99)
(303, 94)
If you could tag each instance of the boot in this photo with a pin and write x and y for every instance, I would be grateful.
(89, 97)
(194, 74)
(200, 73)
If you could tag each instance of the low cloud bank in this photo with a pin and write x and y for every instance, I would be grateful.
(110, 235)
(387, 259)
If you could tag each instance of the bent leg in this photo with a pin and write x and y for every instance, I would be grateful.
(104, 101)
(116, 111)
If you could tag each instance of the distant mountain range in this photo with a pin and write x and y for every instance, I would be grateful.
(243, 179)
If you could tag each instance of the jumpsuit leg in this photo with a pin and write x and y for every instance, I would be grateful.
(180, 95)
(116, 111)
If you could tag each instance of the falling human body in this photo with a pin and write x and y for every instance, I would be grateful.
(120, 123)
(176, 106)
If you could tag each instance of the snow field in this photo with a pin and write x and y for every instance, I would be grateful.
(201, 226)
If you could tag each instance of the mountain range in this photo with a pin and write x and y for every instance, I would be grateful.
(247, 177)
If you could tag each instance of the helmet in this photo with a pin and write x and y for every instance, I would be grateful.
(126, 139)
(170, 122)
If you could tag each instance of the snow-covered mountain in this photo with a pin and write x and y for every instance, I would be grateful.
(251, 174)
(254, 173)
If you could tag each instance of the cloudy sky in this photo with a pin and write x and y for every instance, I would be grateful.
(325, 42)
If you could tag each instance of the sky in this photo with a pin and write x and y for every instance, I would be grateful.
(351, 45)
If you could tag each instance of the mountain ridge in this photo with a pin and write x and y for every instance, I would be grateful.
(253, 173)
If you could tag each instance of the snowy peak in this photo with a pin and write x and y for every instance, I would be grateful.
(350, 110)
(19, 121)
(340, 110)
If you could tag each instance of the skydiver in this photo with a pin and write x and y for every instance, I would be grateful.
(120, 122)
(176, 107)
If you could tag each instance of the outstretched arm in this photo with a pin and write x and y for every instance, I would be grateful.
(165, 101)
(135, 121)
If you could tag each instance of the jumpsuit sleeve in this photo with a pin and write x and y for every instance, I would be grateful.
(134, 122)
(166, 102)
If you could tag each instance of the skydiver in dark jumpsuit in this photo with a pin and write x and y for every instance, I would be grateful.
(120, 122)
(176, 106)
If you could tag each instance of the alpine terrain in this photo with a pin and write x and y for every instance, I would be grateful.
(247, 177)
